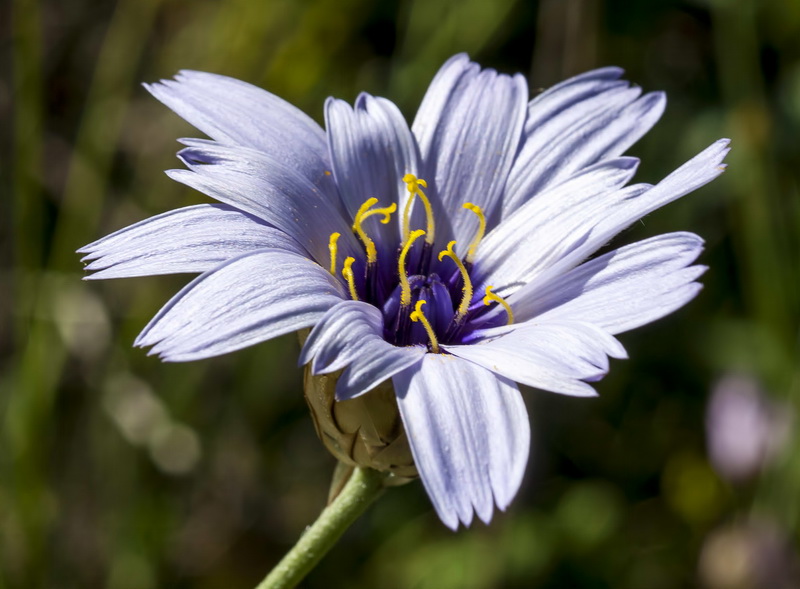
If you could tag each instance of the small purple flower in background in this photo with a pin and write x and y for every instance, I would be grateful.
(448, 257)
(744, 428)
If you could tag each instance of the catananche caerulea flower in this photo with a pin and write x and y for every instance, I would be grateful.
(449, 256)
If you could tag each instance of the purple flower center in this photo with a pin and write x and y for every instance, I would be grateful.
(419, 306)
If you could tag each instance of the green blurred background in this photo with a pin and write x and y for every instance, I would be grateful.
(120, 472)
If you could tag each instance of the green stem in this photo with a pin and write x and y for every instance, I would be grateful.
(364, 486)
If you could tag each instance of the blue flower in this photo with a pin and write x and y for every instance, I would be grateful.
(449, 257)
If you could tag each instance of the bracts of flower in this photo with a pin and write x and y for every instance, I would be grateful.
(447, 260)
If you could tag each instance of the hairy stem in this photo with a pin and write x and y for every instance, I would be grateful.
(364, 486)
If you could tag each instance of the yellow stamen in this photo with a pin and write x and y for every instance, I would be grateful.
(417, 315)
(490, 297)
(385, 211)
(364, 213)
(333, 248)
(413, 184)
(466, 298)
(481, 230)
(405, 287)
(347, 272)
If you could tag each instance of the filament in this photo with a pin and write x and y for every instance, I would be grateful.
(481, 230)
(405, 287)
(413, 184)
(347, 272)
(491, 297)
(466, 290)
(418, 315)
(364, 212)
(332, 246)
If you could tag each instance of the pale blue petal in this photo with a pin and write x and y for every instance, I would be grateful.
(371, 149)
(468, 128)
(598, 119)
(250, 299)
(697, 172)
(255, 183)
(192, 239)
(569, 235)
(237, 113)
(546, 142)
(556, 356)
(350, 336)
(566, 95)
(469, 434)
(436, 99)
(531, 238)
(620, 290)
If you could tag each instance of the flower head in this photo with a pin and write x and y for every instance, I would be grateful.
(449, 257)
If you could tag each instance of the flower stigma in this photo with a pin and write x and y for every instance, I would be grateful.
(332, 247)
(413, 184)
(347, 272)
(466, 289)
(418, 315)
(491, 297)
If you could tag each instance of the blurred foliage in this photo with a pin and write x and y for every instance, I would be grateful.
(121, 472)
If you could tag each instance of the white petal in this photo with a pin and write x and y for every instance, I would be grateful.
(620, 290)
(556, 356)
(697, 172)
(257, 184)
(468, 128)
(577, 124)
(566, 236)
(533, 237)
(469, 433)
(191, 239)
(237, 113)
(248, 300)
(372, 149)
(572, 92)
(350, 336)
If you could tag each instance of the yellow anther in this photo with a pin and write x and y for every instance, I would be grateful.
(418, 315)
(491, 297)
(347, 272)
(413, 184)
(333, 248)
(466, 290)
(405, 287)
(385, 211)
(364, 213)
(481, 230)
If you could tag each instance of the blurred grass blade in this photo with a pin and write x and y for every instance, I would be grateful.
(28, 425)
